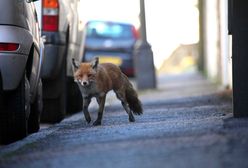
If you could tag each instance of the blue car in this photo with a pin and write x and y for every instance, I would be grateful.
(112, 42)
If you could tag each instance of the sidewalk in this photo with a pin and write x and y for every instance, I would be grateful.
(187, 123)
(179, 86)
(183, 85)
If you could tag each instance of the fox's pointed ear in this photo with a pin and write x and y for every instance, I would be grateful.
(75, 63)
(94, 62)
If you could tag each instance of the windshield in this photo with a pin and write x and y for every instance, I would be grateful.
(99, 29)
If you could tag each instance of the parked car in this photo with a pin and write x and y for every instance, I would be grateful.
(60, 26)
(111, 42)
(21, 53)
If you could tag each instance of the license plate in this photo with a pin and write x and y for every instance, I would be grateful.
(113, 60)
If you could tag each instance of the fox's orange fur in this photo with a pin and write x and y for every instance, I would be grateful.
(95, 80)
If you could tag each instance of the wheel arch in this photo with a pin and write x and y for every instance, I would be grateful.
(33, 68)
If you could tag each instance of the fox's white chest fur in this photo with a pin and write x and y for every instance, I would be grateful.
(89, 91)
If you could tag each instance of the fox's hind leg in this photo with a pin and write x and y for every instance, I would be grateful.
(122, 97)
(86, 102)
(101, 102)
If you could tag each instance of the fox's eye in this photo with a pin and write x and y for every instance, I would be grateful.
(89, 75)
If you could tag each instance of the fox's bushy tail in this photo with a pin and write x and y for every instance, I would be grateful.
(133, 100)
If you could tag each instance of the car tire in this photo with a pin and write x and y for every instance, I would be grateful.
(74, 97)
(36, 110)
(54, 109)
(14, 117)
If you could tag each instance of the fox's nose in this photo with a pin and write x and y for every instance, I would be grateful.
(84, 83)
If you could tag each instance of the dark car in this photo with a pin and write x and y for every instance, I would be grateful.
(112, 42)
(21, 53)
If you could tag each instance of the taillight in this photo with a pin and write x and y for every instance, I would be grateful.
(50, 17)
(135, 33)
(8, 46)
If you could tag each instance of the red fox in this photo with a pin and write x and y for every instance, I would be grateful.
(96, 80)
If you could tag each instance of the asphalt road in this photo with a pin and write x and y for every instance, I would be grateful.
(186, 124)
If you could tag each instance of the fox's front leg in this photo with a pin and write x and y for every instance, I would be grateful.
(101, 102)
(86, 102)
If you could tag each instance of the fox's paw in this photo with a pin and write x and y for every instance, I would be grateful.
(88, 119)
(131, 118)
(97, 122)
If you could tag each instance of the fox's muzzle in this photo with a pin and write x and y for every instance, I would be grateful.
(84, 83)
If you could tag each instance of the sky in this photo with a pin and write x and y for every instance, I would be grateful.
(116, 10)
(169, 23)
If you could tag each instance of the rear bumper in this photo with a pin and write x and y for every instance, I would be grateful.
(55, 38)
(129, 71)
(12, 67)
(12, 64)
(1, 85)
(52, 61)
(55, 48)
(1, 93)
(126, 65)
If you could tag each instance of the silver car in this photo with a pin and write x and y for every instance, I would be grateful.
(21, 53)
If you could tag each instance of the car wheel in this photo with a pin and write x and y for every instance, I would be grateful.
(36, 110)
(74, 97)
(54, 109)
(15, 113)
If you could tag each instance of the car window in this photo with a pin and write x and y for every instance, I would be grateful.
(97, 29)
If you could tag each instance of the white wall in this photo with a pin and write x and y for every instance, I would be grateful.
(225, 46)
(211, 39)
(217, 46)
